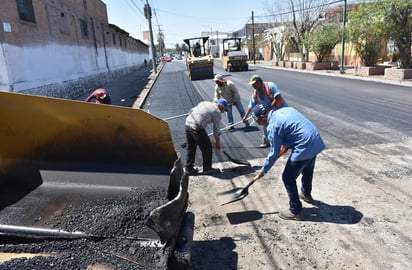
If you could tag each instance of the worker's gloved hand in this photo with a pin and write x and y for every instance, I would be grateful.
(258, 175)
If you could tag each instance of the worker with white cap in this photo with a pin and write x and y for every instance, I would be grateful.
(227, 89)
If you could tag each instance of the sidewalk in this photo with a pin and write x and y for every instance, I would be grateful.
(349, 73)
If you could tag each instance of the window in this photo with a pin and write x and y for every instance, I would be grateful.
(83, 28)
(25, 10)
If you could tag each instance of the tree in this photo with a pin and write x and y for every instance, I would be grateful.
(178, 49)
(305, 14)
(278, 38)
(367, 31)
(322, 40)
(398, 20)
(161, 43)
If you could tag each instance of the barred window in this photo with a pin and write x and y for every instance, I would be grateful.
(83, 28)
(25, 10)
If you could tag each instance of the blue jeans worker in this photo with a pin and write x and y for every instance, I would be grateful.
(267, 94)
(227, 89)
(289, 128)
(199, 117)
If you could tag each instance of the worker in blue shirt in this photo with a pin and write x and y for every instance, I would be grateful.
(286, 127)
(267, 94)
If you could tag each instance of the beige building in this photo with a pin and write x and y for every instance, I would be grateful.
(62, 48)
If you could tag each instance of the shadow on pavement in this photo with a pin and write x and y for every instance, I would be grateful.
(339, 214)
(214, 254)
(230, 173)
(321, 213)
(246, 216)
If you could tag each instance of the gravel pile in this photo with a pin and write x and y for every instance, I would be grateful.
(111, 219)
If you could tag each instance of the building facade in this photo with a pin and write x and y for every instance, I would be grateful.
(62, 48)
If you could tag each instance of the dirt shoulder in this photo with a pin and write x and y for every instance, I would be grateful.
(360, 218)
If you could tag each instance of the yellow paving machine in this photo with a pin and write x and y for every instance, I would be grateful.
(234, 59)
(199, 62)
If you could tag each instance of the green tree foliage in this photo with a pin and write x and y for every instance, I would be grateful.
(322, 39)
(367, 31)
(398, 21)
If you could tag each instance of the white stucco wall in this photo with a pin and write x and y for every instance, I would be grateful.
(30, 68)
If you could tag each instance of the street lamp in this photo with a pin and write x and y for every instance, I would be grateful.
(342, 58)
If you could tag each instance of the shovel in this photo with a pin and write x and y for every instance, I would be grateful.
(235, 194)
(237, 161)
(239, 193)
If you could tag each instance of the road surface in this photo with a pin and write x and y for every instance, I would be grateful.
(360, 218)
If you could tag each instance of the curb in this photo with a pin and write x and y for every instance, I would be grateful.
(406, 83)
(138, 104)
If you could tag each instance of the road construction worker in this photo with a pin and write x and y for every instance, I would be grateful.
(197, 51)
(100, 95)
(227, 89)
(199, 117)
(267, 94)
(289, 129)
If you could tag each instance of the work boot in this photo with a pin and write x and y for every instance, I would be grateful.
(211, 171)
(264, 144)
(287, 214)
(306, 198)
(192, 171)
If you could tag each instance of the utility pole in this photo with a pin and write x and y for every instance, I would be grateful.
(217, 43)
(148, 15)
(210, 40)
(342, 57)
(253, 38)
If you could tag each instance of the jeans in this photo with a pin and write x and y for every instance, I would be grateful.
(198, 138)
(240, 109)
(265, 134)
(291, 172)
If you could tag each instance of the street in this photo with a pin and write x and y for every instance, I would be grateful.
(360, 218)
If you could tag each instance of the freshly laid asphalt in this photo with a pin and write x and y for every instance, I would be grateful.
(155, 92)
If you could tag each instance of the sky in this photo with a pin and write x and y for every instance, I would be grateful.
(180, 19)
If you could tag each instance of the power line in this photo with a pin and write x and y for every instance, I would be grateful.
(299, 10)
(134, 4)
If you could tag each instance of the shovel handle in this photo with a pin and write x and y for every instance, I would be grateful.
(283, 150)
(250, 183)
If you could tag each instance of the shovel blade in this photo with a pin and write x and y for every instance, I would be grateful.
(237, 161)
(233, 195)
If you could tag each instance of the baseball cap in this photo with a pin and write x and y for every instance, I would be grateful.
(219, 77)
(258, 111)
(223, 102)
(254, 78)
